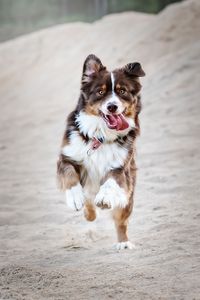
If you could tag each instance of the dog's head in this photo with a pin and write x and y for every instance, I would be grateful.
(113, 96)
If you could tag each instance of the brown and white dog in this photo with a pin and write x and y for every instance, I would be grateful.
(96, 166)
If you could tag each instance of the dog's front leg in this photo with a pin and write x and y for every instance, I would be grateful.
(121, 216)
(116, 192)
(69, 181)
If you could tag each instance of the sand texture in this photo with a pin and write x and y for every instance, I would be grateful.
(46, 250)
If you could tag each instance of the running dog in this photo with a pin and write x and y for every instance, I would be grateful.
(96, 166)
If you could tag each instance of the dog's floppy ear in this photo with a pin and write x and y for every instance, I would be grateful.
(92, 66)
(134, 69)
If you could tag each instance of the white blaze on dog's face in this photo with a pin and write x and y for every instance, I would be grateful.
(113, 102)
(112, 96)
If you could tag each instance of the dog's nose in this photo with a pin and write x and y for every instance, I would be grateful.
(112, 107)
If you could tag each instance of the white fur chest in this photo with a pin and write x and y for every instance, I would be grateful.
(98, 162)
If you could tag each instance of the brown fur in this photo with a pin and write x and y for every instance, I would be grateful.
(89, 211)
(66, 174)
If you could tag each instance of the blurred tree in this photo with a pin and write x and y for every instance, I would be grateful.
(101, 7)
(23, 16)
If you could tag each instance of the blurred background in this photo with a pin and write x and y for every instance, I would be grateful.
(19, 17)
(46, 250)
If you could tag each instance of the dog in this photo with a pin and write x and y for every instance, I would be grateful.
(96, 165)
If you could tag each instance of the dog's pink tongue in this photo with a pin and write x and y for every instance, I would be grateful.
(118, 122)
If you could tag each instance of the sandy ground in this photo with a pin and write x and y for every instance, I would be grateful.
(50, 252)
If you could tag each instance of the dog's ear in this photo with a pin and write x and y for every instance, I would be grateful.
(134, 69)
(92, 66)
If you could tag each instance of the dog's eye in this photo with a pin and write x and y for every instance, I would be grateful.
(122, 91)
(100, 92)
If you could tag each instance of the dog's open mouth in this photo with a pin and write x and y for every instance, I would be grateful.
(117, 122)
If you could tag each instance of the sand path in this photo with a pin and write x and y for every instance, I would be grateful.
(50, 252)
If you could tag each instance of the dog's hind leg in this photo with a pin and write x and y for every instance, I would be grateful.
(89, 211)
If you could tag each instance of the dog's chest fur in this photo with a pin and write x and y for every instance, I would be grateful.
(96, 163)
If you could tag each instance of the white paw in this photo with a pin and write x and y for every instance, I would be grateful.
(75, 197)
(124, 245)
(111, 194)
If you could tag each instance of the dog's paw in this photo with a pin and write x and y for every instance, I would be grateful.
(124, 245)
(111, 195)
(75, 197)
